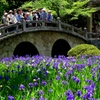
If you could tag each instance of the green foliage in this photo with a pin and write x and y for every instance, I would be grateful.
(27, 4)
(84, 49)
(3, 6)
(63, 8)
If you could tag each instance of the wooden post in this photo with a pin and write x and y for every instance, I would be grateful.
(89, 20)
(89, 24)
(59, 23)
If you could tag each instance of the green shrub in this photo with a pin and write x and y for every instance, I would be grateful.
(84, 49)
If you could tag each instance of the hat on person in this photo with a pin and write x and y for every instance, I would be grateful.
(27, 13)
(10, 11)
(33, 11)
(49, 10)
(37, 9)
(5, 13)
(44, 9)
(14, 9)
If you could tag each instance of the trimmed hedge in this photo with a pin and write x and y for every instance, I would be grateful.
(84, 49)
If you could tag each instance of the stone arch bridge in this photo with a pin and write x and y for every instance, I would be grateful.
(39, 37)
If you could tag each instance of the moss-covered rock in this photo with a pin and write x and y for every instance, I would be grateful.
(84, 49)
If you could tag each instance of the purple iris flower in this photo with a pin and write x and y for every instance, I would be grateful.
(41, 98)
(7, 78)
(99, 77)
(57, 77)
(10, 97)
(1, 77)
(21, 87)
(68, 93)
(50, 90)
(35, 83)
(89, 81)
(75, 79)
(71, 97)
(68, 73)
(18, 66)
(40, 92)
(31, 84)
(32, 99)
(46, 72)
(64, 82)
(79, 93)
(86, 96)
(43, 83)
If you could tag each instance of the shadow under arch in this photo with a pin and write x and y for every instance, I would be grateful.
(25, 48)
(60, 47)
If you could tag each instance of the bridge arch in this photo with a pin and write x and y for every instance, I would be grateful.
(42, 40)
(25, 48)
(60, 47)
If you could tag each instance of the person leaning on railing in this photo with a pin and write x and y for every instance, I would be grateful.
(12, 18)
(49, 16)
(34, 17)
(5, 19)
(19, 16)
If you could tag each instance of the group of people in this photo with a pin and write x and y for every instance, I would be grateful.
(16, 16)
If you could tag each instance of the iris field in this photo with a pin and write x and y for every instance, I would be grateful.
(46, 78)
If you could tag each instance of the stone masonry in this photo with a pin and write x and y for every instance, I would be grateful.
(42, 40)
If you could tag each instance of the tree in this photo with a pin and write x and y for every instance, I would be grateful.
(63, 8)
(3, 6)
(15, 3)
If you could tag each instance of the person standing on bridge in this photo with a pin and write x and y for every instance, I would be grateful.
(34, 17)
(19, 16)
(38, 14)
(5, 19)
(15, 12)
(28, 19)
(49, 16)
(12, 18)
(44, 14)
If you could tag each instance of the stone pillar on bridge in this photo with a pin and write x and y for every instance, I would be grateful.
(59, 23)
(23, 24)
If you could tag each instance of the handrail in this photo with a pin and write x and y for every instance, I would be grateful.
(93, 35)
(74, 29)
(41, 25)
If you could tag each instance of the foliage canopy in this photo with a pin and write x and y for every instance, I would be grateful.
(3, 6)
(63, 8)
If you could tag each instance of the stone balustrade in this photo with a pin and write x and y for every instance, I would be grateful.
(41, 26)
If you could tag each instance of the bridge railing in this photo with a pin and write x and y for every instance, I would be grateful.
(93, 35)
(73, 29)
(44, 25)
(41, 25)
(9, 29)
